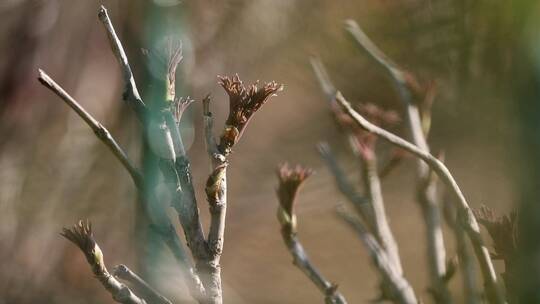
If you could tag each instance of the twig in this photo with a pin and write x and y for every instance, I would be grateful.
(82, 236)
(427, 194)
(147, 292)
(131, 93)
(473, 230)
(290, 181)
(401, 290)
(101, 132)
(361, 204)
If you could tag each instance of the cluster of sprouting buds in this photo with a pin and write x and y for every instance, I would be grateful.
(290, 180)
(502, 229)
(364, 142)
(243, 103)
(81, 235)
(504, 233)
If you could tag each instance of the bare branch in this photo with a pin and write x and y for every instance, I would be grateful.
(131, 93)
(216, 194)
(402, 292)
(101, 132)
(147, 292)
(444, 174)
(290, 181)
(82, 236)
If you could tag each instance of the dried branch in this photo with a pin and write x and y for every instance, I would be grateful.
(426, 190)
(290, 181)
(143, 288)
(473, 230)
(400, 289)
(131, 93)
(101, 132)
(82, 236)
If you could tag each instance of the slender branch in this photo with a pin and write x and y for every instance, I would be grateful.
(147, 292)
(131, 93)
(290, 181)
(372, 185)
(427, 193)
(101, 132)
(82, 236)
(473, 230)
(400, 288)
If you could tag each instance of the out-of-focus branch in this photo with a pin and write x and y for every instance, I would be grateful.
(372, 185)
(401, 290)
(290, 180)
(82, 236)
(142, 287)
(131, 93)
(361, 204)
(101, 132)
(426, 190)
(473, 230)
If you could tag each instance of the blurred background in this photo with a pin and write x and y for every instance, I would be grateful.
(485, 56)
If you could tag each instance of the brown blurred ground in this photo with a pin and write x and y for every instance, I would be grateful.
(54, 172)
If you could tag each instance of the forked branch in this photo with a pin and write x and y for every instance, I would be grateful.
(142, 287)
